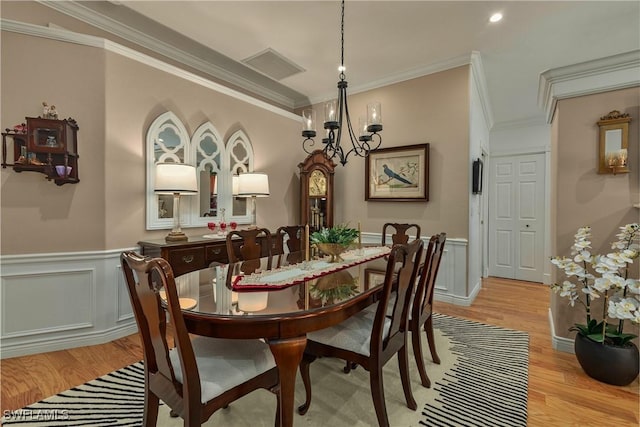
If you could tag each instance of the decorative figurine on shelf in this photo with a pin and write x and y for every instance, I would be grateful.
(33, 160)
(53, 113)
(49, 112)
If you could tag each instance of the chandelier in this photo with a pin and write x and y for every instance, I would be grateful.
(337, 120)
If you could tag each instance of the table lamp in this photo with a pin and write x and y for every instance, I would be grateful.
(253, 184)
(177, 179)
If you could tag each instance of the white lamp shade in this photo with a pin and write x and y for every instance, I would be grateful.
(253, 184)
(235, 182)
(176, 178)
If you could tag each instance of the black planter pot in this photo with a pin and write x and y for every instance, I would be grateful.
(607, 363)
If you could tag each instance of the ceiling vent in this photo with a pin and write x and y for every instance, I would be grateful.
(273, 64)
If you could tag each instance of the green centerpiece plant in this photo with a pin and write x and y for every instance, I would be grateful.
(333, 241)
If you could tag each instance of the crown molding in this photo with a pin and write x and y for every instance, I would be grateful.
(614, 72)
(472, 59)
(478, 75)
(526, 122)
(98, 42)
(105, 23)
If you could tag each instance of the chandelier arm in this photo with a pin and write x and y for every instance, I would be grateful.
(379, 138)
(357, 148)
(307, 145)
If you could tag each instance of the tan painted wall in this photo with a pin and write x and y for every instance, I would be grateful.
(37, 215)
(137, 94)
(582, 196)
(114, 100)
(432, 109)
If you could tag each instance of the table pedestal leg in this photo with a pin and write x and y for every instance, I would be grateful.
(288, 354)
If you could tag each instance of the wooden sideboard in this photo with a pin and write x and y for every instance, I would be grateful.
(195, 254)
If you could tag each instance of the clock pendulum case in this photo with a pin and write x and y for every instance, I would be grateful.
(316, 191)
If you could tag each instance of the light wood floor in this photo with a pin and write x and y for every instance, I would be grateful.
(560, 394)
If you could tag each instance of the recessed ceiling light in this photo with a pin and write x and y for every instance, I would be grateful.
(495, 17)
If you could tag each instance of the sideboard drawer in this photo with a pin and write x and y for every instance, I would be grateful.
(186, 260)
(217, 253)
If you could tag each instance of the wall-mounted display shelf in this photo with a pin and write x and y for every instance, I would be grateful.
(47, 146)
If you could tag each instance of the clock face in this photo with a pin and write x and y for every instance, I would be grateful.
(317, 184)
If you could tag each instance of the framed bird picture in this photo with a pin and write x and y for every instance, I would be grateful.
(398, 174)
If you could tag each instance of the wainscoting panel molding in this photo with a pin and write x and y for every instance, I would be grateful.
(45, 297)
(125, 312)
(62, 300)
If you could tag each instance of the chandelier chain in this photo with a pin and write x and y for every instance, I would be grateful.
(342, 39)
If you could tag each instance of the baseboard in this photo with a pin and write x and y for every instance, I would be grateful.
(46, 345)
(456, 299)
(559, 343)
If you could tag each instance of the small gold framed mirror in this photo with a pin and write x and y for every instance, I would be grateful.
(614, 142)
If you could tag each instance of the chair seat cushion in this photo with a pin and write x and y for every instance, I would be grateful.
(225, 363)
(354, 334)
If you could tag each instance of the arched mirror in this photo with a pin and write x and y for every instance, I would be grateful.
(216, 165)
(167, 141)
(613, 143)
(210, 166)
(240, 161)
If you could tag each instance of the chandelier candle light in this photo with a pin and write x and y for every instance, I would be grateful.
(336, 114)
(177, 179)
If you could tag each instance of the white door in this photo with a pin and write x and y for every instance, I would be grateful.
(516, 217)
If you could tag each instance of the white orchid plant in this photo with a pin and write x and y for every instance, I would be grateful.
(603, 275)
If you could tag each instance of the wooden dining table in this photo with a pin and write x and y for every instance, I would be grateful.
(280, 304)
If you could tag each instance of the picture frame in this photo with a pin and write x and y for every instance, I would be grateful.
(373, 277)
(398, 174)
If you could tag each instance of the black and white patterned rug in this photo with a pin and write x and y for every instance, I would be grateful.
(482, 381)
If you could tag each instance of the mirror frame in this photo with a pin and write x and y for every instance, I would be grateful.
(187, 152)
(609, 163)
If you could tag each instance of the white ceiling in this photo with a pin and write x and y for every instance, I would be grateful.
(391, 40)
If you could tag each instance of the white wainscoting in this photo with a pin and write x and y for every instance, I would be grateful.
(52, 302)
(57, 301)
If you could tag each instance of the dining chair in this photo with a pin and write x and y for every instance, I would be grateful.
(195, 377)
(372, 341)
(249, 246)
(422, 306)
(420, 316)
(400, 232)
(289, 237)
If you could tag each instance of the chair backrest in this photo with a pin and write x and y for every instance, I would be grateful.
(426, 285)
(400, 276)
(400, 232)
(254, 244)
(149, 282)
(294, 243)
(295, 235)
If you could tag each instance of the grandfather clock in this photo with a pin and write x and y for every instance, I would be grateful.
(316, 190)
